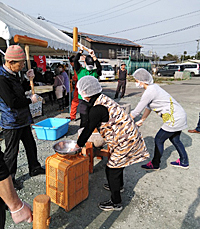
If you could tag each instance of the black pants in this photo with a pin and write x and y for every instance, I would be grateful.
(115, 181)
(12, 138)
(67, 99)
(2, 214)
(61, 103)
(83, 109)
(121, 84)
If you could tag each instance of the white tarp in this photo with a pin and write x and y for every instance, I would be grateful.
(14, 22)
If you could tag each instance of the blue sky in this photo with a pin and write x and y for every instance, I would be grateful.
(160, 26)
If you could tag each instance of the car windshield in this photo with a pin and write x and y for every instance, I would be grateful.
(107, 68)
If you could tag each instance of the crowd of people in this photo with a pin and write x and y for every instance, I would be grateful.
(118, 129)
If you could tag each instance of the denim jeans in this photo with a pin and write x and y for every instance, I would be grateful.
(174, 137)
(198, 124)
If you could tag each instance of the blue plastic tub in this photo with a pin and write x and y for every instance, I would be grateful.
(51, 128)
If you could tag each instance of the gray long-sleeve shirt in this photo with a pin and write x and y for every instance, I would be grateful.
(158, 100)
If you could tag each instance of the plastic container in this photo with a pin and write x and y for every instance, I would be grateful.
(67, 179)
(51, 128)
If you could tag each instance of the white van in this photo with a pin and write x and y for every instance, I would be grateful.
(193, 68)
(53, 63)
(108, 72)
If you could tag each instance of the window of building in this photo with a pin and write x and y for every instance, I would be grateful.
(111, 53)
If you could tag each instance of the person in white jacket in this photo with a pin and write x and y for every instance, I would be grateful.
(173, 116)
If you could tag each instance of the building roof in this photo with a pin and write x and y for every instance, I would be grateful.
(163, 62)
(194, 60)
(109, 40)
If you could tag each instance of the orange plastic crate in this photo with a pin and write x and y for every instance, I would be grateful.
(67, 180)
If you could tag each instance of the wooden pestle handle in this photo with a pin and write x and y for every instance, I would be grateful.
(41, 212)
(85, 48)
(29, 67)
(29, 41)
(75, 41)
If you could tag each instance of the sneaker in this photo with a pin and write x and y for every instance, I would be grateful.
(69, 118)
(37, 171)
(106, 187)
(110, 206)
(17, 185)
(149, 166)
(177, 163)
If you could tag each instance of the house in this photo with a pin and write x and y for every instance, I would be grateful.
(109, 47)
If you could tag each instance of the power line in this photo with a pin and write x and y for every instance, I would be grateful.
(131, 11)
(59, 24)
(44, 19)
(111, 12)
(169, 44)
(88, 16)
(153, 23)
(175, 31)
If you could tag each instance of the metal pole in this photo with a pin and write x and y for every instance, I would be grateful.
(69, 89)
(2, 52)
(7, 43)
(197, 48)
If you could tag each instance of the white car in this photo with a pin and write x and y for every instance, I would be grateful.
(108, 72)
(193, 68)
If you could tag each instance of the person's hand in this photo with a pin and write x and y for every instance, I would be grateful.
(139, 123)
(91, 52)
(24, 215)
(81, 47)
(76, 147)
(61, 145)
(34, 98)
(30, 74)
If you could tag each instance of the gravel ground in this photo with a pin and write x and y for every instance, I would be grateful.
(169, 198)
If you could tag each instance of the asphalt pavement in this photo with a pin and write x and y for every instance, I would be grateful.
(164, 199)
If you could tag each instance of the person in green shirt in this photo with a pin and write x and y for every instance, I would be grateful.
(89, 69)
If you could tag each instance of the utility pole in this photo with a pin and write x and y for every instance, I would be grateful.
(197, 48)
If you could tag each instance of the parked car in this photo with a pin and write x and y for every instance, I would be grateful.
(53, 63)
(168, 70)
(108, 72)
(193, 68)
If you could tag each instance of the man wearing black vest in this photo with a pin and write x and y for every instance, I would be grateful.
(122, 74)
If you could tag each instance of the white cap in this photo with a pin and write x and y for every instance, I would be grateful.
(88, 86)
(143, 75)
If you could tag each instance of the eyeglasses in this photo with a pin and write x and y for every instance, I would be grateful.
(20, 62)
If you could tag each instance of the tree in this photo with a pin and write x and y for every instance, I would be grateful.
(198, 56)
(170, 57)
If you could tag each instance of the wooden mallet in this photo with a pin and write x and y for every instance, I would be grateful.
(29, 41)
(41, 212)
(75, 41)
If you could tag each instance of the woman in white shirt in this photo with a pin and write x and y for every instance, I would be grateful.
(173, 115)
